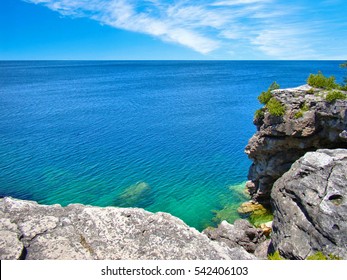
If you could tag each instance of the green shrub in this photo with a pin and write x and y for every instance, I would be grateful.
(334, 95)
(310, 91)
(299, 114)
(265, 96)
(320, 256)
(317, 256)
(333, 257)
(275, 256)
(320, 81)
(304, 107)
(275, 107)
(259, 113)
(274, 86)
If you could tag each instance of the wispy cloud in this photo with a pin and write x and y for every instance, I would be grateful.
(272, 28)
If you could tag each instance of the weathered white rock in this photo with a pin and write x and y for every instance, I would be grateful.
(310, 206)
(10, 246)
(32, 231)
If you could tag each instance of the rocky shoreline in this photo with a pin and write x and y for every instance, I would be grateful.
(299, 168)
(309, 123)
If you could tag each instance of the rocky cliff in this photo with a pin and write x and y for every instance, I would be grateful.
(310, 206)
(32, 231)
(309, 123)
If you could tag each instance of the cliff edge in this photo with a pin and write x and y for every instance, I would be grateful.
(309, 122)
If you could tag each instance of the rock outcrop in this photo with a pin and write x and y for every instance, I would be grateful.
(309, 123)
(243, 234)
(32, 231)
(310, 206)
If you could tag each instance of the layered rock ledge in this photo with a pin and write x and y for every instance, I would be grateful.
(32, 231)
(309, 123)
(310, 206)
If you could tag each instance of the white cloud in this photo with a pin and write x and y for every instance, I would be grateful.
(238, 2)
(284, 42)
(266, 26)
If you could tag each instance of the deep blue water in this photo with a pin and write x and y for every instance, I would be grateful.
(163, 135)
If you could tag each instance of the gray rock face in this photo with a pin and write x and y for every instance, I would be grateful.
(32, 231)
(241, 233)
(310, 206)
(309, 123)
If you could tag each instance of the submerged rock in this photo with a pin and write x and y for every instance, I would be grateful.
(310, 206)
(310, 122)
(256, 213)
(32, 231)
(133, 194)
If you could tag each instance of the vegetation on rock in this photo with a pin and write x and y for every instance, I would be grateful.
(320, 256)
(259, 113)
(320, 81)
(304, 108)
(265, 96)
(275, 107)
(275, 256)
(310, 91)
(334, 95)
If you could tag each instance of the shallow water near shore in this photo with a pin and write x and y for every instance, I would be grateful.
(162, 135)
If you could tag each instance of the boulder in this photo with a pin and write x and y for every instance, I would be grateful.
(241, 233)
(310, 206)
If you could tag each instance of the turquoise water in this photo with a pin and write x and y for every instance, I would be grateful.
(162, 135)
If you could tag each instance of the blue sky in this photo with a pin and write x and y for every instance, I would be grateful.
(173, 29)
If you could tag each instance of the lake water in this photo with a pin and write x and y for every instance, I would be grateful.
(162, 135)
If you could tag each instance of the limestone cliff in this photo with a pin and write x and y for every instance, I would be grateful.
(32, 231)
(309, 123)
(310, 206)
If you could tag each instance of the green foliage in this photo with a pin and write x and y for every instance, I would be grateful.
(259, 113)
(343, 65)
(334, 257)
(265, 96)
(320, 81)
(320, 256)
(274, 86)
(275, 256)
(303, 108)
(344, 86)
(310, 91)
(275, 107)
(299, 114)
(317, 256)
(334, 95)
